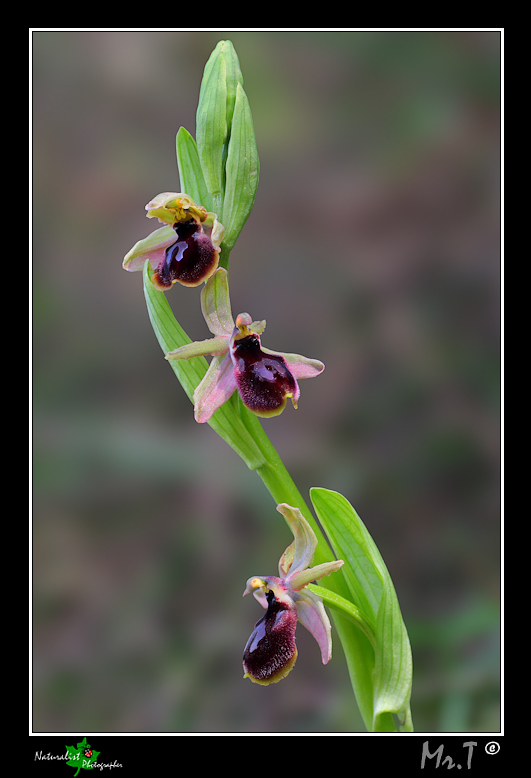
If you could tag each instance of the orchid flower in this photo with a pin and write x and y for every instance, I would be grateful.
(263, 378)
(186, 250)
(271, 652)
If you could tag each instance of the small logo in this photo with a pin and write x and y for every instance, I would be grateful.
(492, 747)
(82, 756)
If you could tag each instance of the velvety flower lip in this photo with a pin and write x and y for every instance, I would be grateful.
(271, 651)
(186, 250)
(264, 379)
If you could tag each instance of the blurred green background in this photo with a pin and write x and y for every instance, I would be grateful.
(374, 245)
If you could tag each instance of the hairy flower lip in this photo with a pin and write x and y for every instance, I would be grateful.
(270, 652)
(189, 261)
(265, 379)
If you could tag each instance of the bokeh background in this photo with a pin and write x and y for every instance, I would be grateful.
(374, 245)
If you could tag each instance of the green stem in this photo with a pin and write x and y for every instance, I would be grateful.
(243, 431)
(224, 256)
(279, 482)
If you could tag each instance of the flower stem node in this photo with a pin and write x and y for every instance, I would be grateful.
(264, 379)
(271, 652)
(186, 250)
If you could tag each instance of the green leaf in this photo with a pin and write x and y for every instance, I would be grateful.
(374, 595)
(340, 604)
(242, 170)
(190, 172)
(352, 543)
(226, 421)
(393, 671)
(359, 655)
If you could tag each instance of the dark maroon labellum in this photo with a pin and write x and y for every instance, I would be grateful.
(190, 260)
(271, 652)
(264, 380)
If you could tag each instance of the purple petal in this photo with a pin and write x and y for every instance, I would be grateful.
(299, 366)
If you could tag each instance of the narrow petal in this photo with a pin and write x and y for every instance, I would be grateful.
(312, 615)
(305, 540)
(215, 389)
(257, 586)
(299, 366)
(215, 304)
(153, 248)
(302, 578)
(214, 228)
(200, 348)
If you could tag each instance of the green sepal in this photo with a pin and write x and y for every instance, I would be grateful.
(155, 242)
(200, 348)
